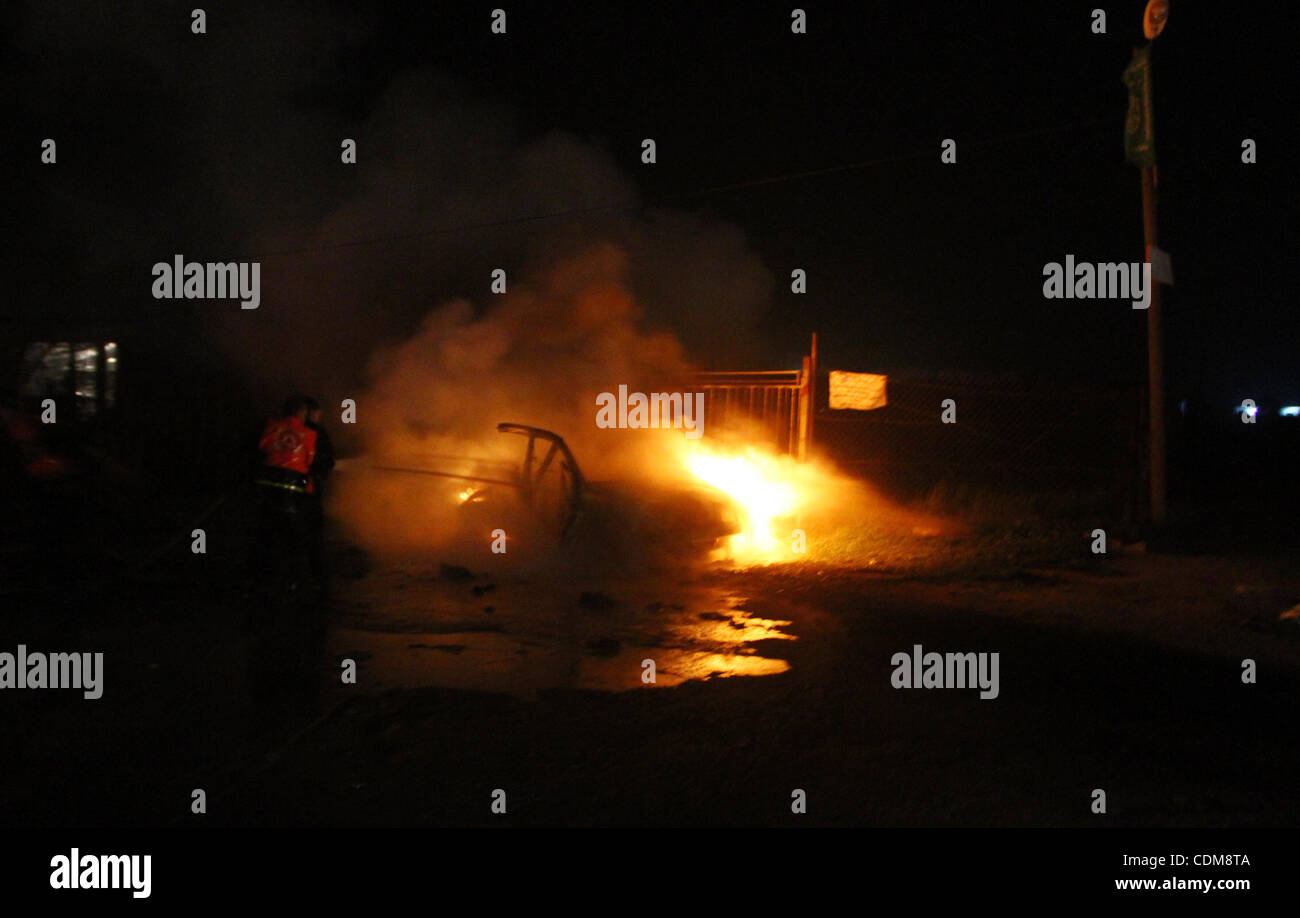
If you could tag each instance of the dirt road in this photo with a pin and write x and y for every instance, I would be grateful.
(1126, 679)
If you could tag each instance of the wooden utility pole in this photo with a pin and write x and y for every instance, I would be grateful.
(1140, 148)
(1154, 18)
(1155, 357)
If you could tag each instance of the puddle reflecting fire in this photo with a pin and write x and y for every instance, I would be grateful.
(408, 631)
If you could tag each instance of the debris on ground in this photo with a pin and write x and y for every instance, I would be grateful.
(597, 601)
(454, 572)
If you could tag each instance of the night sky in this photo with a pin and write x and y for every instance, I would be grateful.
(174, 142)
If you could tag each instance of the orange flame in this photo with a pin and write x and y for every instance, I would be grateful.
(768, 492)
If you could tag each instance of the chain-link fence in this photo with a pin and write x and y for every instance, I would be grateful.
(958, 437)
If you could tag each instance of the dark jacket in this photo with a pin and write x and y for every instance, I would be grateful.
(323, 463)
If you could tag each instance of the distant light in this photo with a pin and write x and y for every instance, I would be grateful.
(1251, 410)
(1290, 411)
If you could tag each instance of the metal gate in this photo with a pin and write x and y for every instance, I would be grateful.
(775, 405)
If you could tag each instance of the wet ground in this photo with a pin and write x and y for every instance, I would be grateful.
(524, 635)
(1126, 677)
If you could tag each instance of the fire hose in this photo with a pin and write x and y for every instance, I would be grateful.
(185, 533)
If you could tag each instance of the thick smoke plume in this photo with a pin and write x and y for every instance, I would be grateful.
(540, 356)
(446, 191)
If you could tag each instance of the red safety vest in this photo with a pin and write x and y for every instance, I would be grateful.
(288, 443)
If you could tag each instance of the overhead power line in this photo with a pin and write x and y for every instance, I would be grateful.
(702, 192)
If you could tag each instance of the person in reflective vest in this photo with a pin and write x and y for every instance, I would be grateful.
(288, 448)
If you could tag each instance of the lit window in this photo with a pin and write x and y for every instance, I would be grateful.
(63, 370)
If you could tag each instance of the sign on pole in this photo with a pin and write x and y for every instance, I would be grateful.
(1154, 19)
(1139, 139)
(1162, 267)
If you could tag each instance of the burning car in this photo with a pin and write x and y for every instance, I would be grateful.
(545, 502)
